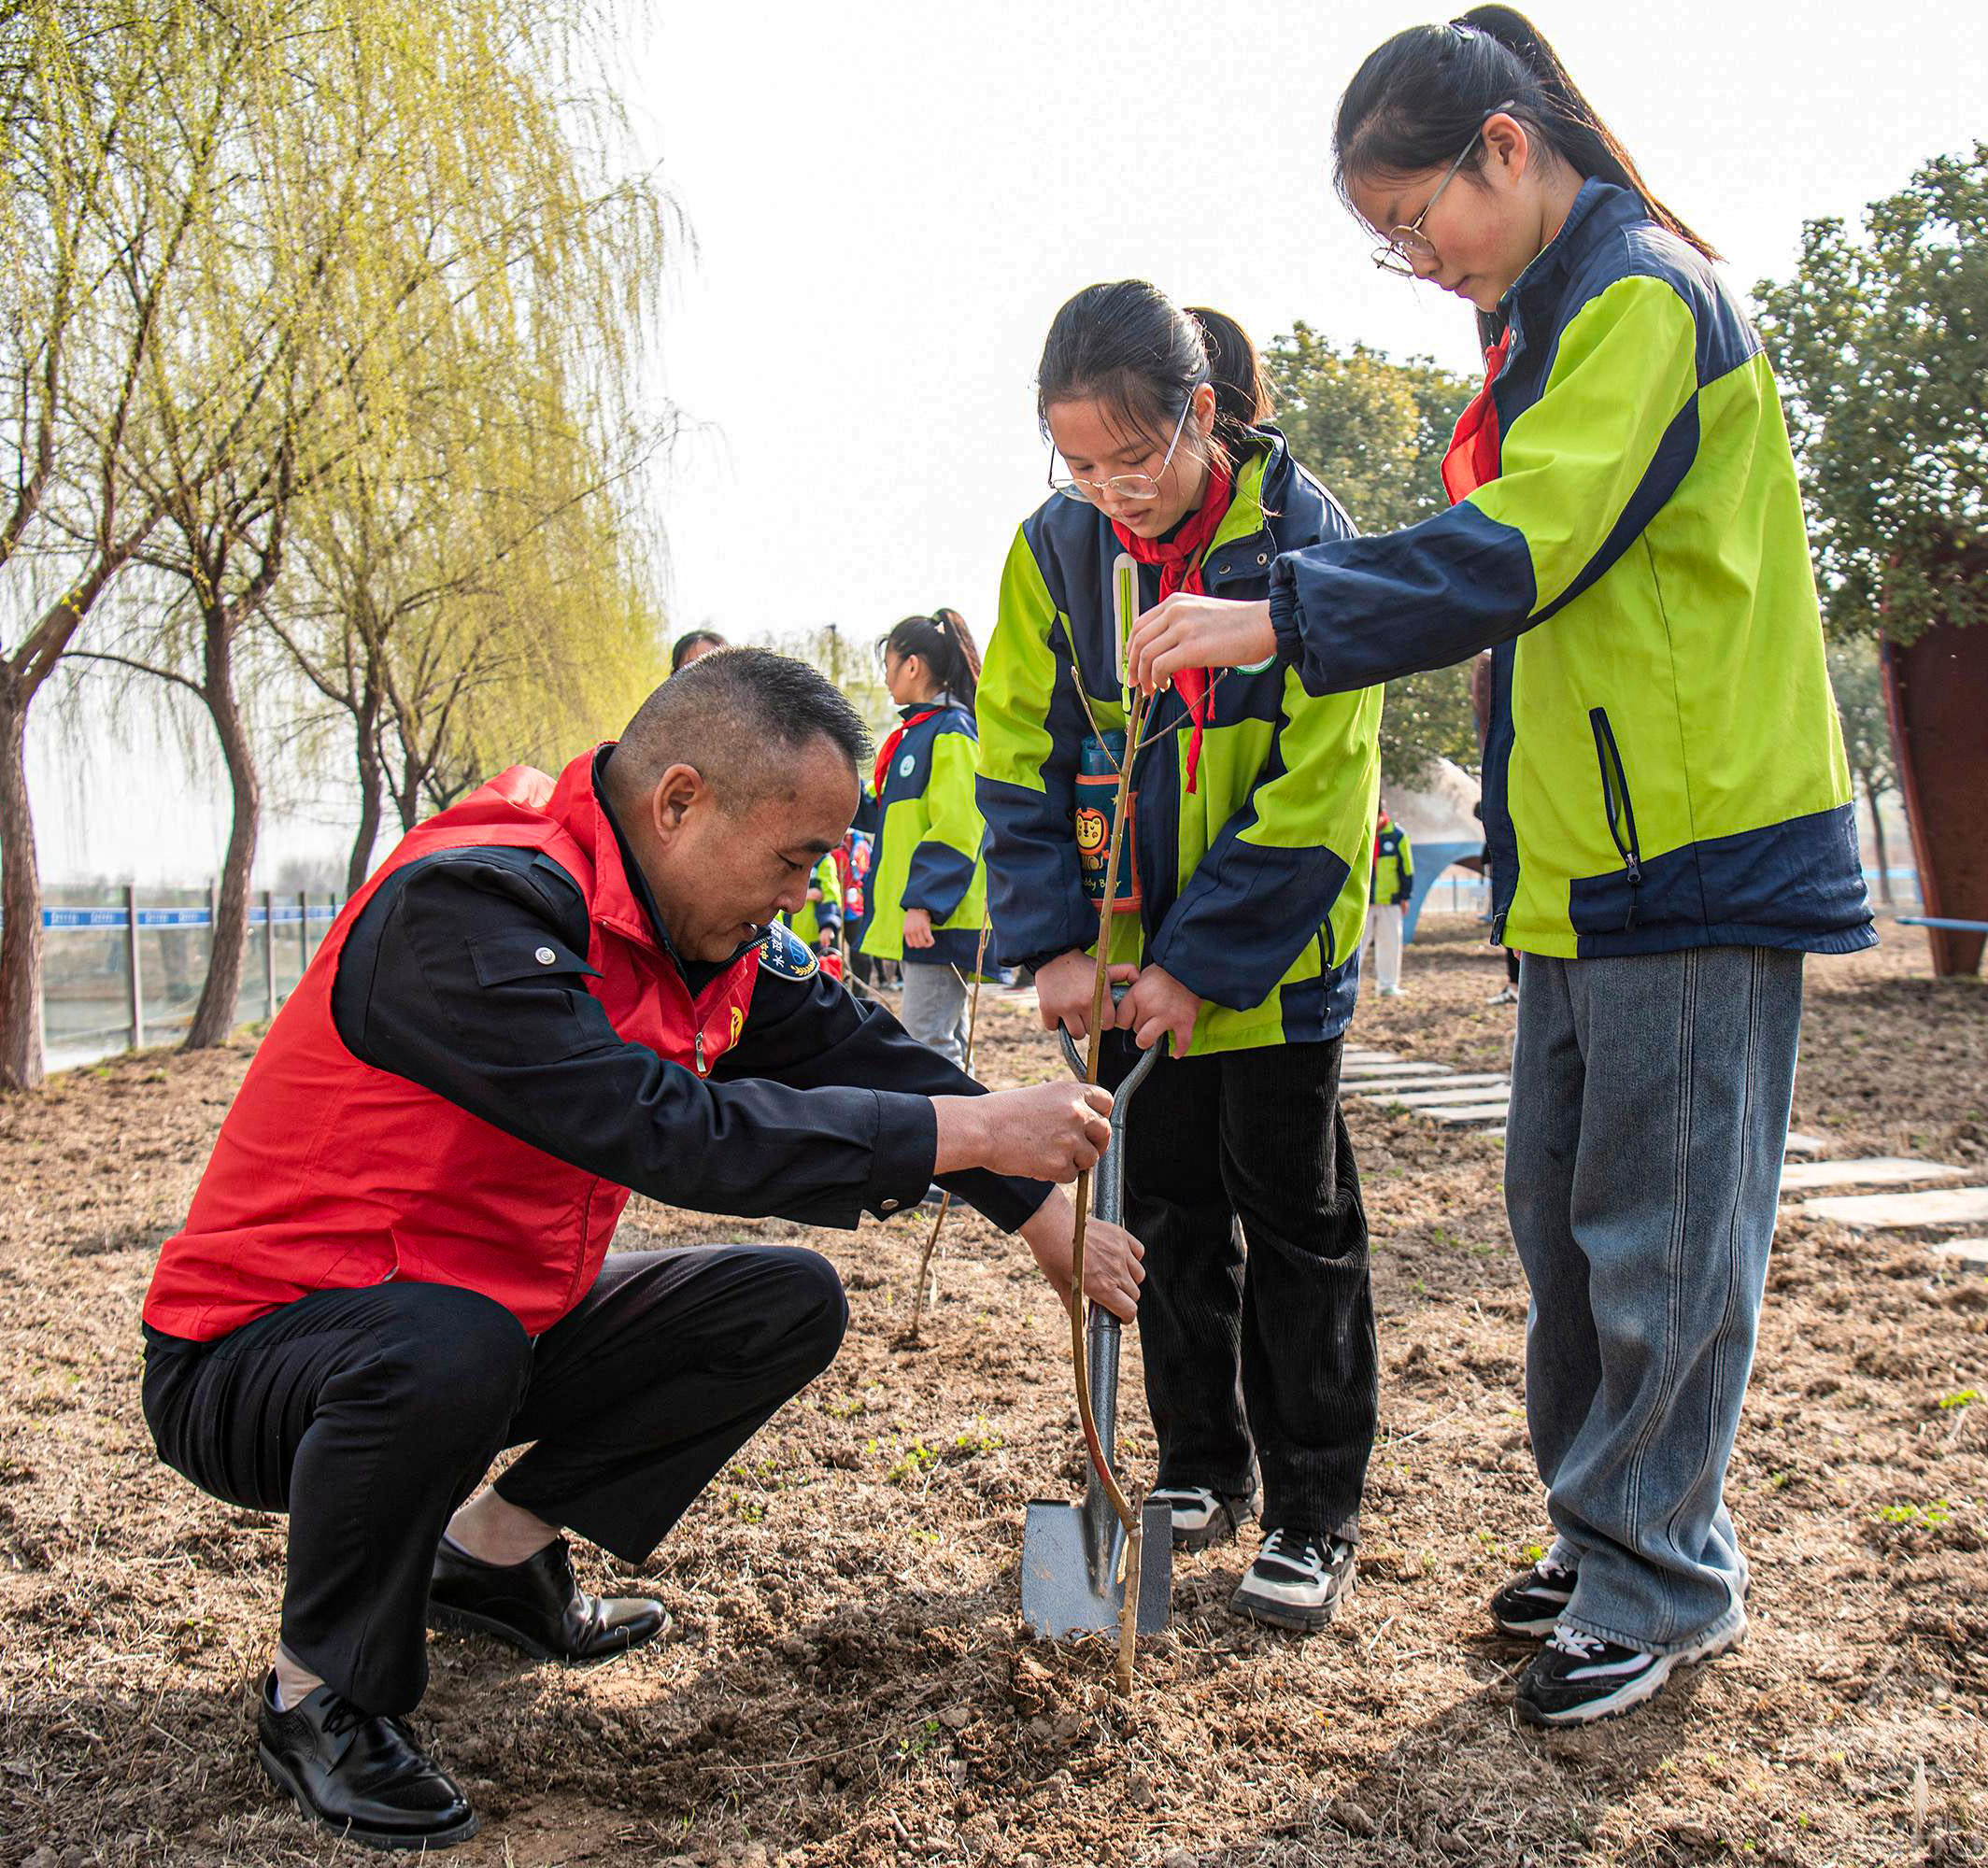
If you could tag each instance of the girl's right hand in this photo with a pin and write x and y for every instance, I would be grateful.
(1063, 990)
(1190, 630)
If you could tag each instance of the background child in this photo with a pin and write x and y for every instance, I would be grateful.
(927, 884)
(1393, 882)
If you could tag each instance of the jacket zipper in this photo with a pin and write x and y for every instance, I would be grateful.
(698, 1042)
(1615, 801)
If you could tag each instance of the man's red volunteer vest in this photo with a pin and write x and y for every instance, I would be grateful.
(330, 1173)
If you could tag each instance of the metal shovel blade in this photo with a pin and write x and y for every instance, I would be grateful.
(1071, 1582)
(1072, 1555)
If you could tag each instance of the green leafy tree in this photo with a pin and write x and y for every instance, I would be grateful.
(1854, 674)
(1375, 432)
(1882, 341)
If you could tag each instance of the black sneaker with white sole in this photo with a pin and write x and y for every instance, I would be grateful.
(1201, 1515)
(1577, 1679)
(1533, 1601)
(1298, 1581)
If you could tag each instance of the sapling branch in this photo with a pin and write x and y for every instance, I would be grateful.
(1129, 1514)
(945, 1205)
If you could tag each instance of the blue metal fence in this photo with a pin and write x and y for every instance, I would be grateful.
(118, 976)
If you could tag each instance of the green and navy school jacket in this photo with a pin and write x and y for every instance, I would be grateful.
(928, 845)
(1394, 865)
(1253, 886)
(812, 919)
(1665, 767)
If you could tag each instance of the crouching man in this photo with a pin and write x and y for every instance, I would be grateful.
(396, 1263)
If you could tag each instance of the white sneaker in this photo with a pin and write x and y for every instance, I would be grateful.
(1298, 1581)
(1577, 1679)
(1202, 1517)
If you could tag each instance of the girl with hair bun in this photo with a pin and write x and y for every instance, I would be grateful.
(1667, 804)
(927, 882)
(1244, 882)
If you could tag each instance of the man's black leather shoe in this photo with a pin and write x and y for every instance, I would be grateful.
(537, 1605)
(359, 1774)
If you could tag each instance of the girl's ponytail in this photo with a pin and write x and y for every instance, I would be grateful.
(945, 645)
(1420, 97)
(1576, 130)
(1242, 397)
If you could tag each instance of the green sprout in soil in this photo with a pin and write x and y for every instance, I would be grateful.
(1932, 1515)
(978, 1439)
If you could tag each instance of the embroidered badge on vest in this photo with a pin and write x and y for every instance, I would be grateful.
(785, 953)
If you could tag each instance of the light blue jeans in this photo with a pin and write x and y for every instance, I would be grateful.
(1650, 1100)
(933, 1008)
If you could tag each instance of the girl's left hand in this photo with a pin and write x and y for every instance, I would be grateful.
(1185, 631)
(1156, 1005)
(917, 927)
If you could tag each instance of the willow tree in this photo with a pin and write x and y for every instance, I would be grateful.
(484, 566)
(408, 189)
(111, 176)
(554, 643)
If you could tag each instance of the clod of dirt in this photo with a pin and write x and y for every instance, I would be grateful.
(1351, 1816)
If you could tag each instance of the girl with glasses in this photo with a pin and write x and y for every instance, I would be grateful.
(927, 884)
(1666, 799)
(1243, 891)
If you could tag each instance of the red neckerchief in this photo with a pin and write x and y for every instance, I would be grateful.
(1179, 569)
(1474, 457)
(891, 745)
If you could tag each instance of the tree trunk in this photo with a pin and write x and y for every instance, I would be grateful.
(20, 1059)
(407, 799)
(1878, 843)
(372, 787)
(214, 1016)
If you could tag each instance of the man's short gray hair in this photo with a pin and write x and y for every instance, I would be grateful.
(738, 717)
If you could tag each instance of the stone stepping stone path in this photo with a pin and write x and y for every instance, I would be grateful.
(1903, 1212)
(1480, 1101)
(1455, 1098)
(1392, 1089)
(1469, 1115)
(1888, 1170)
(1454, 1090)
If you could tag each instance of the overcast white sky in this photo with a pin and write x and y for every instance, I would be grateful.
(892, 201)
(889, 202)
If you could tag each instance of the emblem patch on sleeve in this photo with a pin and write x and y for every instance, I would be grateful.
(785, 953)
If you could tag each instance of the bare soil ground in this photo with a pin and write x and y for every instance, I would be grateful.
(847, 1683)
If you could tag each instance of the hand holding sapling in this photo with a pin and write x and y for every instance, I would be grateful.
(1112, 1271)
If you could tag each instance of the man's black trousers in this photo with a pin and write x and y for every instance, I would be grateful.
(370, 1415)
(1272, 1353)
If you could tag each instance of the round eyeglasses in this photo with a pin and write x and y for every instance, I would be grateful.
(1139, 487)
